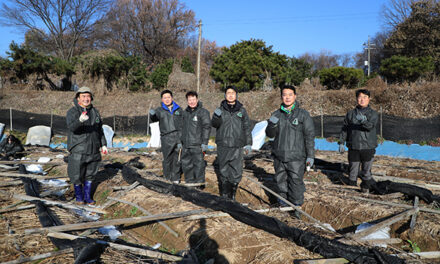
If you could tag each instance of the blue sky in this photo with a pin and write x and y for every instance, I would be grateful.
(292, 27)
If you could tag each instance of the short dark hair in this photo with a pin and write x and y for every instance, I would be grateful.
(363, 91)
(165, 92)
(287, 86)
(232, 87)
(191, 93)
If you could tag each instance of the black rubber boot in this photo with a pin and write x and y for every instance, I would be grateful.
(234, 187)
(225, 189)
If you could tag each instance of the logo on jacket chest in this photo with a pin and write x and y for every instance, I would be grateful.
(195, 118)
(239, 114)
(295, 122)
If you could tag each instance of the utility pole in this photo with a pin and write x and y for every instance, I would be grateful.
(198, 56)
(368, 48)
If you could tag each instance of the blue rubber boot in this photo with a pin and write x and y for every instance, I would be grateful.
(87, 190)
(79, 193)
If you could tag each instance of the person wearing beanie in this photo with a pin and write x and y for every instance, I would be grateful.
(360, 133)
(293, 132)
(85, 143)
(169, 116)
(233, 136)
(195, 137)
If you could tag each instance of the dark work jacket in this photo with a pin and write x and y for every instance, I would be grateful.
(233, 127)
(170, 122)
(196, 126)
(359, 136)
(84, 137)
(294, 135)
(10, 149)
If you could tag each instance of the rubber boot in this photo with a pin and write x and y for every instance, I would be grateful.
(79, 193)
(226, 189)
(87, 193)
(234, 187)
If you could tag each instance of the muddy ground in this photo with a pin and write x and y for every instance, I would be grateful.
(224, 239)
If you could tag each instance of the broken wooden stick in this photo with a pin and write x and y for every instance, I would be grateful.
(139, 251)
(129, 188)
(30, 162)
(40, 256)
(20, 208)
(324, 261)
(373, 242)
(11, 183)
(383, 224)
(121, 221)
(31, 176)
(145, 212)
(414, 216)
(221, 214)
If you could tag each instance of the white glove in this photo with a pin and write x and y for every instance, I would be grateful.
(83, 117)
(247, 149)
(104, 150)
(218, 112)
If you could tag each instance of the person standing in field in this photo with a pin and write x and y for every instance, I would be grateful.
(360, 133)
(293, 146)
(169, 115)
(233, 135)
(85, 143)
(195, 137)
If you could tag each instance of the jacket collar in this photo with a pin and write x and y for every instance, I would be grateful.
(175, 107)
(231, 108)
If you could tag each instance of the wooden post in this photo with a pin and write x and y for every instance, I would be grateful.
(51, 119)
(381, 123)
(322, 124)
(114, 123)
(40, 256)
(198, 55)
(414, 216)
(10, 118)
(121, 221)
(148, 121)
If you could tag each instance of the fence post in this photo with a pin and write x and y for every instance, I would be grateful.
(51, 119)
(148, 119)
(322, 124)
(10, 118)
(114, 123)
(381, 123)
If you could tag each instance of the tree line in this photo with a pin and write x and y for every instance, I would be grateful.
(132, 45)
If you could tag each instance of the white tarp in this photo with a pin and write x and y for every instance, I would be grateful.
(38, 135)
(383, 233)
(2, 129)
(259, 135)
(155, 135)
(108, 133)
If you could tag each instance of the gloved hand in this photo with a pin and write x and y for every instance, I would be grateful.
(274, 119)
(218, 112)
(361, 118)
(152, 112)
(179, 147)
(247, 149)
(104, 150)
(341, 148)
(204, 148)
(310, 162)
(83, 117)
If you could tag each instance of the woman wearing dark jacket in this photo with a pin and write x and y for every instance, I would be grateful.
(10, 147)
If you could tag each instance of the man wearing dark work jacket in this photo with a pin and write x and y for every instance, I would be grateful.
(169, 115)
(195, 137)
(293, 146)
(359, 131)
(233, 135)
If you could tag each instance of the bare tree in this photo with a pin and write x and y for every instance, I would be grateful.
(63, 21)
(321, 60)
(152, 29)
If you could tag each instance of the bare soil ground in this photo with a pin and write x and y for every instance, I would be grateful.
(412, 101)
(224, 239)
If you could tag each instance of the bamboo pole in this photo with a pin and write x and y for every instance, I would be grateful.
(145, 212)
(40, 256)
(421, 209)
(139, 251)
(122, 221)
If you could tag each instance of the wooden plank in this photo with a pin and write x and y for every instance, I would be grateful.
(421, 209)
(120, 194)
(422, 255)
(383, 224)
(121, 221)
(62, 204)
(40, 256)
(324, 261)
(221, 214)
(414, 216)
(373, 242)
(409, 181)
(139, 251)
(31, 176)
(31, 162)
(20, 208)
(11, 183)
(147, 213)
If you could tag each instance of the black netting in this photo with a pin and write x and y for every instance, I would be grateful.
(326, 247)
(393, 128)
